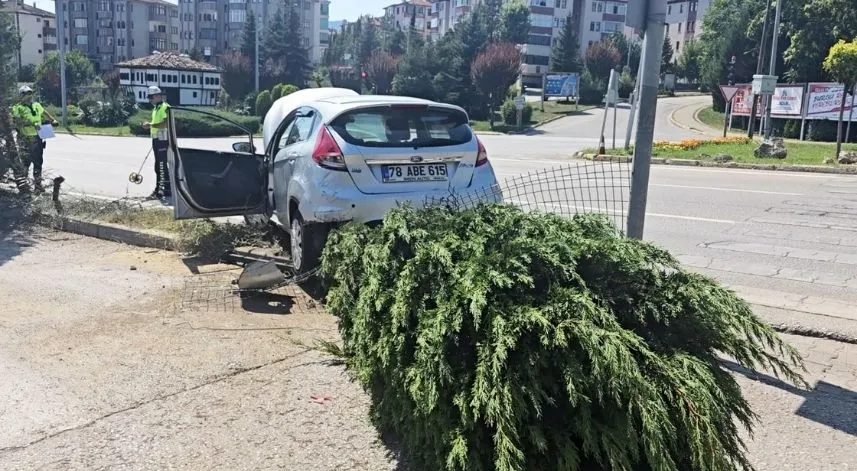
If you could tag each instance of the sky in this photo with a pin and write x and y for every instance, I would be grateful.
(352, 9)
(339, 9)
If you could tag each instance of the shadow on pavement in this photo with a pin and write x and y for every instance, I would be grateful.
(826, 403)
(14, 232)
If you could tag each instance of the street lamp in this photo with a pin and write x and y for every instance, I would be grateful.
(772, 68)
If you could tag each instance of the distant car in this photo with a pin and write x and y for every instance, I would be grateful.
(332, 156)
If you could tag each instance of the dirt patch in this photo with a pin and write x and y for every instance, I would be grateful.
(109, 365)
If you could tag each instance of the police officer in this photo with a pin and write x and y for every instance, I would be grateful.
(158, 130)
(29, 116)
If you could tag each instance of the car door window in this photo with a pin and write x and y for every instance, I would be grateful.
(299, 130)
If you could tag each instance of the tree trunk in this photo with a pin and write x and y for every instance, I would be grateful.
(839, 128)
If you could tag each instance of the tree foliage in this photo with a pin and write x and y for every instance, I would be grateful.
(237, 71)
(284, 57)
(9, 44)
(841, 64)
(689, 61)
(78, 69)
(494, 71)
(565, 55)
(248, 39)
(601, 58)
(627, 47)
(515, 22)
(497, 339)
(381, 70)
(667, 54)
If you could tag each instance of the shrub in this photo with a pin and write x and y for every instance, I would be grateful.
(277, 92)
(504, 340)
(107, 113)
(626, 85)
(263, 103)
(288, 89)
(200, 125)
(510, 113)
(591, 89)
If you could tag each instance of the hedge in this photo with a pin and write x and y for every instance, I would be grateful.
(199, 125)
(493, 339)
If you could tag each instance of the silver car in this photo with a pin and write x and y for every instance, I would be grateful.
(332, 156)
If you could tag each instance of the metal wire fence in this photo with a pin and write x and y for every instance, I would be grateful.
(578, 187)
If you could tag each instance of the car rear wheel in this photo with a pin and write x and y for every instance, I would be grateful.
(307, 243)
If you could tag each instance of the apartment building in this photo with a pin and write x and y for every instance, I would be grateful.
(217, 26)
(400, 15)
(599, 19)
(684, 21)
(37, 29)
(111, 31)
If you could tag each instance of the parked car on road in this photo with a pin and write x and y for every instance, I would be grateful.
(331, 156)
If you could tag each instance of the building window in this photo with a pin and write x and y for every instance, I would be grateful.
(677, 44)
(195, 94)
(539, 40)
(539, 20)
(183, 78)
(679, 27)
(536, 60)
(237, 16)
(80, 22)
(595, 26)
(81, 39)
(681, 7)
(194, 80)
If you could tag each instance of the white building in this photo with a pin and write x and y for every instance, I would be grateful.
(684, 22)
(399, 14)
(36, 28)
(185, 82)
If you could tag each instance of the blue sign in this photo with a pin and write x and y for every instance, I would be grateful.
(562, 85)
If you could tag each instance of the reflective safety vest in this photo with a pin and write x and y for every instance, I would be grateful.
(159, 115)
(30, 116)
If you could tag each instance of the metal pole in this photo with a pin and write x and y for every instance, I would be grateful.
(614, 123)
(60, 15)
(636, 98)
(649, 77)
(850, 113)
(256, 61)
(751, 126)
(773, 68)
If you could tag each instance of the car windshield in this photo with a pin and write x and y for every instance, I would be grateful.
(403, 126)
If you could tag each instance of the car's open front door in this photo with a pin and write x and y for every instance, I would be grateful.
(216, 181)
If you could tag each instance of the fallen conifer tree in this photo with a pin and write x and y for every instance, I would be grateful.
(493, 339)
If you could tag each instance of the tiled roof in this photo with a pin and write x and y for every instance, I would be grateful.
(9, 6)
(169, 60)
(419, 3)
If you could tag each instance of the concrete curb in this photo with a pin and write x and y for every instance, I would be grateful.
(731, 165)
(676, 123)
(117, 233)
(804, 331)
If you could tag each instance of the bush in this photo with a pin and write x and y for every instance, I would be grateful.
(277, 92)
(591, 90)
(199, 125)
(288, 89)
(106, 114)
(510, 113)
(263, 103)
(498, 339)
(626, 85)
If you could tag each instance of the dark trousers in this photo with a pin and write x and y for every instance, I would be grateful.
(31, 150)
(162, 177)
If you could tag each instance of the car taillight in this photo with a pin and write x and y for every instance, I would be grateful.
(326, 152)
(482, 155)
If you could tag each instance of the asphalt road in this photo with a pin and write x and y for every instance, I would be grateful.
(786, 241)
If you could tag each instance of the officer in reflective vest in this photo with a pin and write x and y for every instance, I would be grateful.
(158, 129)
(29, 116)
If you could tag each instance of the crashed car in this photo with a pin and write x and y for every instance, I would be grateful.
(331, 156)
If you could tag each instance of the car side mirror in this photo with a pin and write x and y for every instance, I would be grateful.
(243, 147)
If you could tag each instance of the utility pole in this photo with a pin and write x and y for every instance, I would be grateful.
(654, 13)
(60, 19)
(772, 68)
(256, 45)
(759, 61)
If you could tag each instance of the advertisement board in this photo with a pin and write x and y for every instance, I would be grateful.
(825, 99)
(786, 102)
(562, 85)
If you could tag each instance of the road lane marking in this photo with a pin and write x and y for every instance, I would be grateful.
(737, 190)
(615, 212)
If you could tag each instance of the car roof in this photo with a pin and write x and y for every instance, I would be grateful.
(333, 106)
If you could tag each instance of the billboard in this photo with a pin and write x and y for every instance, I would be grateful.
(825, 99)
(561, 85)
(786, 102)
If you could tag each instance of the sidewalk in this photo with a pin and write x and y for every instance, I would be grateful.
(801, 430)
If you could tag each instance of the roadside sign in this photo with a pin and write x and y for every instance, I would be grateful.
(729, 91)
(520, 101)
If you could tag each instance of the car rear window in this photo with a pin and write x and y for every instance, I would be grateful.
(403, 126)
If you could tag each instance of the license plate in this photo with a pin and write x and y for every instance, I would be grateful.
(414, 173)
